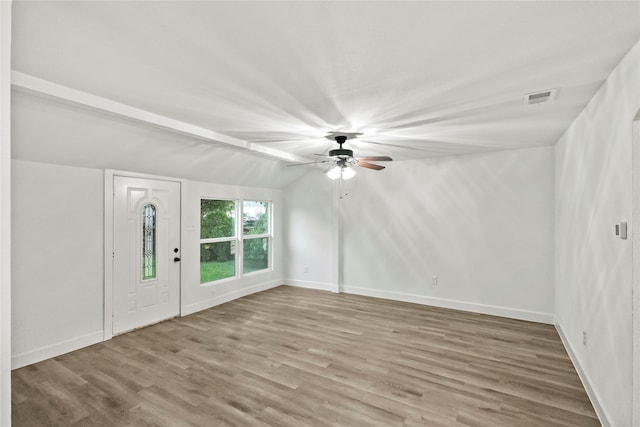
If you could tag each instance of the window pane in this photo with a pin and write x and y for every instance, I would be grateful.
(148, 242)
(217, 218)
(255, 217)
(255, 254)
(217, 261)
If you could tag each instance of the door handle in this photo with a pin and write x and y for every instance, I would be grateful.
(176, 259)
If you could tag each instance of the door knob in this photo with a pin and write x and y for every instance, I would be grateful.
(176, 259)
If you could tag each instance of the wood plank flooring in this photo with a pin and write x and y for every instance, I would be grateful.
(299, 357)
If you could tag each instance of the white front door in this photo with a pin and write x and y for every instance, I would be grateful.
(146, 260)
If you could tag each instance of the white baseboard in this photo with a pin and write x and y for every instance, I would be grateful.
(229, 296)
(512, 313)
(57, 349)
(311, 285)
(593, 396)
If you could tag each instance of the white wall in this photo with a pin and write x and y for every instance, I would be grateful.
(483, 224)
(57, 259)
(309, 216)
(636, 270)
(58, 275)
(5, 213)
(48, 130)
(60, 152)
(593, 266)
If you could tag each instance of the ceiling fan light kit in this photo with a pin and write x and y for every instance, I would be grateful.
(342, 172)
(342, 159)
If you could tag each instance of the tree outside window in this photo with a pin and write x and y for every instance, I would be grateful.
(217, 240)
(255, 236)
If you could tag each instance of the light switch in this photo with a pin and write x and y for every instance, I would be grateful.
(623, 230)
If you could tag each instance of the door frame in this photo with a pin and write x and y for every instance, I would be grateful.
(109, 174)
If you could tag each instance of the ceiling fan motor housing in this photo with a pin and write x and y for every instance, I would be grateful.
(341, 152)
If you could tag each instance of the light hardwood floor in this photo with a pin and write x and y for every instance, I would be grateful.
(297, 357)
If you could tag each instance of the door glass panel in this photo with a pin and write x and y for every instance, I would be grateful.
(148, 242)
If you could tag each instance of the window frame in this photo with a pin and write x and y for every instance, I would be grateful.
(268, 235)
(239, 238)
(233, 239)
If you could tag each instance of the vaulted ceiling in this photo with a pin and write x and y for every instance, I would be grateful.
(415, 79)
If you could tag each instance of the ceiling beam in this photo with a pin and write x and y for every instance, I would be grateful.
(44, 87)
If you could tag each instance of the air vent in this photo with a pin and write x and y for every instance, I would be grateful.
(540, 97)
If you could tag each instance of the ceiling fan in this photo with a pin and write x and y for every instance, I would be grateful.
(342, 159)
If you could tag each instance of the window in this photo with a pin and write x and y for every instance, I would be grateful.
(255, 236)
(218, 240)
(148, 242)
(233, 239)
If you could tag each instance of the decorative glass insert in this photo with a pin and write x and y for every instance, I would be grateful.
(217, 260)
(255, 254)
(255, 217)
(148, 242)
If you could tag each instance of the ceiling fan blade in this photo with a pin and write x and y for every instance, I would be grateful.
(369, 165)
(308, 163)
(377, 158)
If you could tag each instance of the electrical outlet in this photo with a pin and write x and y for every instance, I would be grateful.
(434, 281)
(584, 338)
(306, 269)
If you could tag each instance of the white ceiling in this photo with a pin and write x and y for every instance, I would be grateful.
(417, 79)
